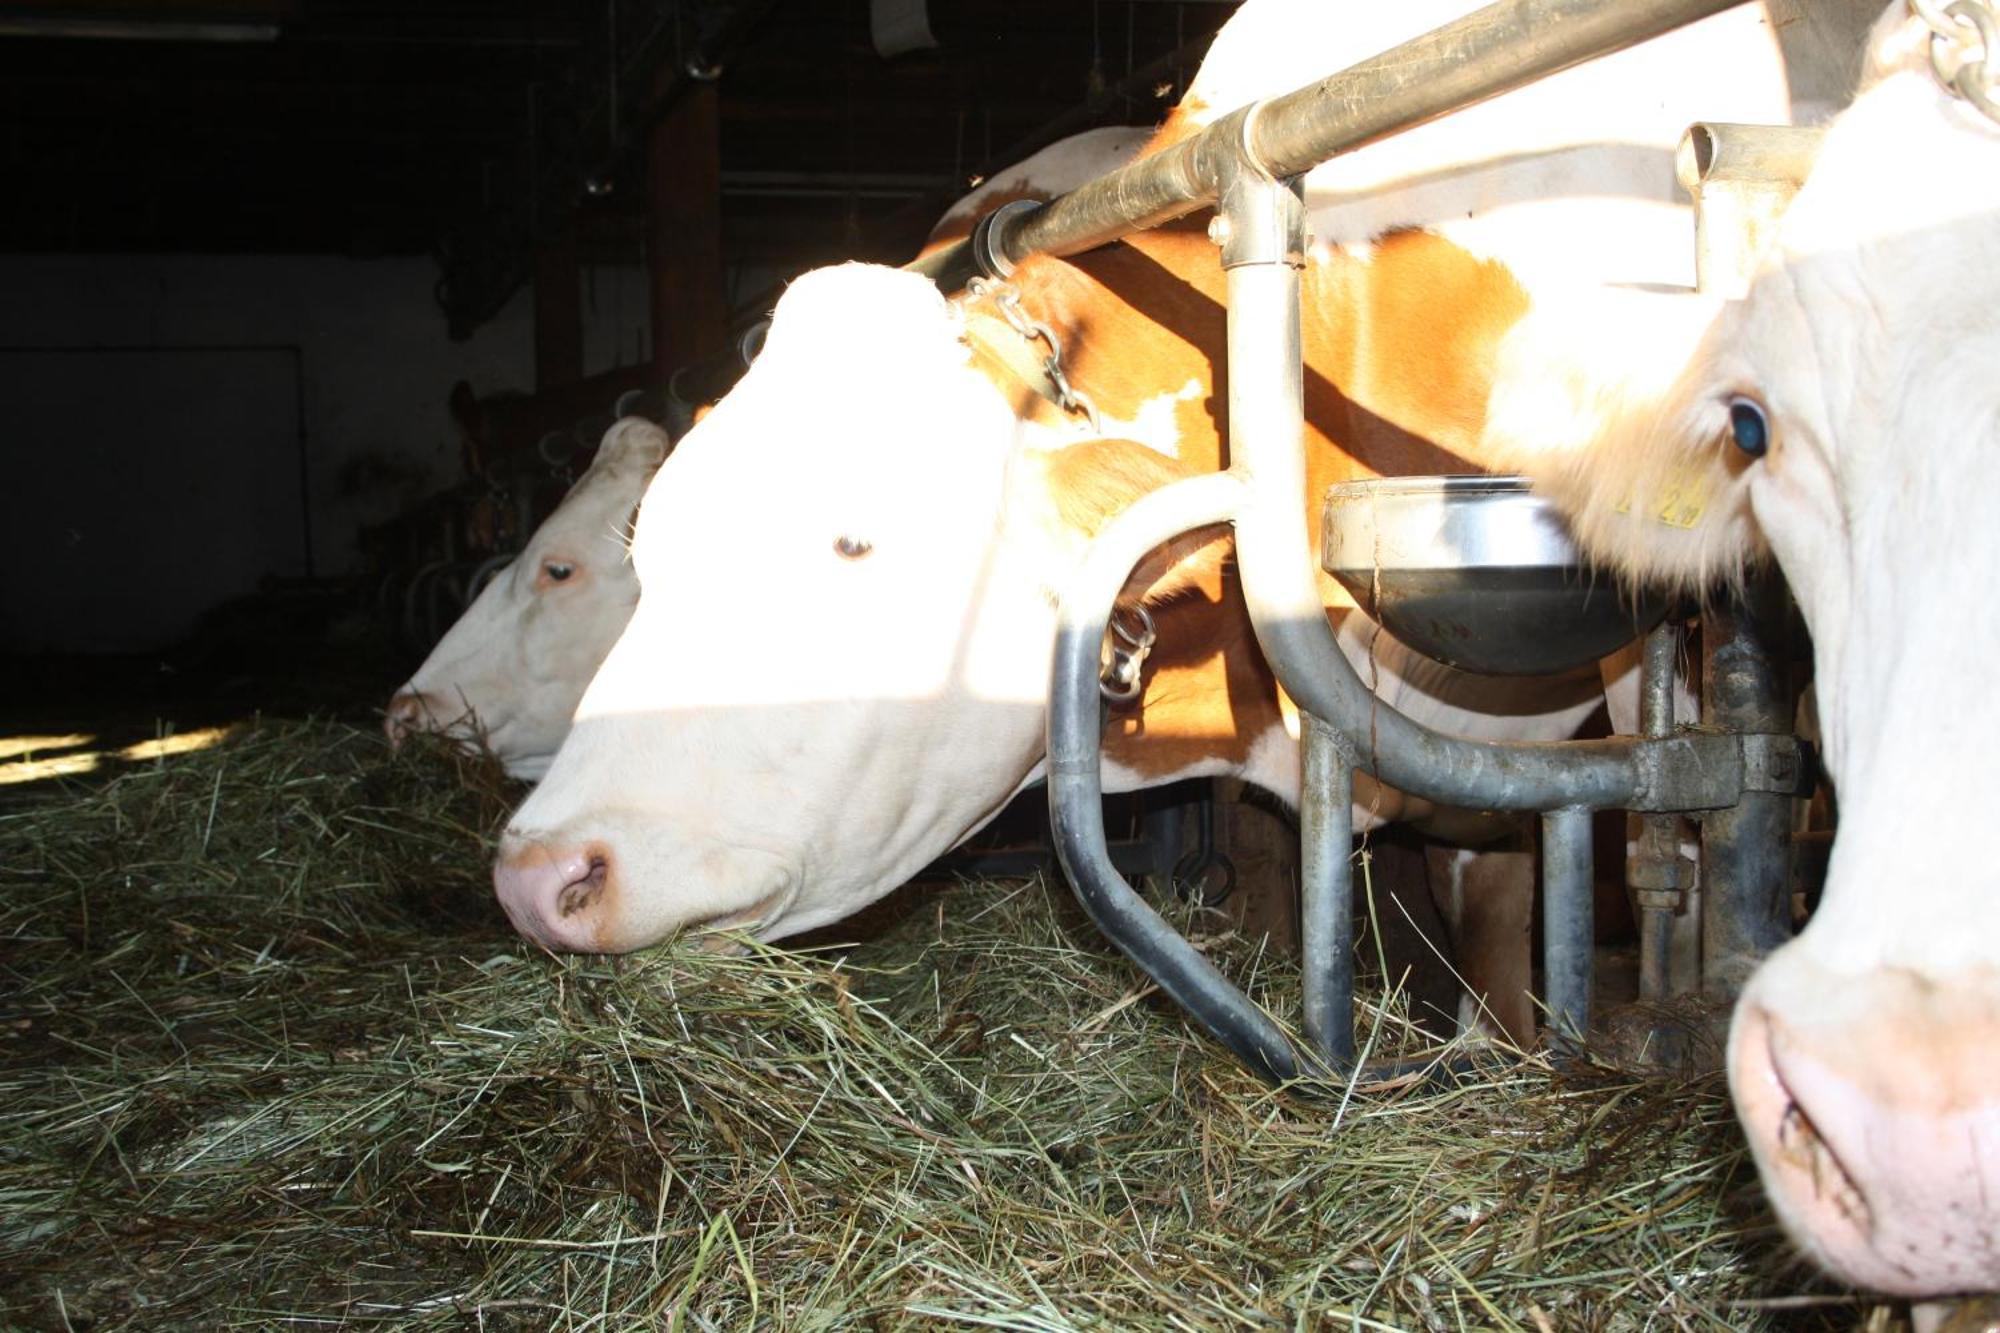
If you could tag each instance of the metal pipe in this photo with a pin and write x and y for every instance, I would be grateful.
(1741, 178)
(1076, 807)
(1263, 230)
(1567, 927)
(1652, 867)
(1656, 950)
(1746, 849)
(1326, 894)
(1480, 55)
(1720, 150)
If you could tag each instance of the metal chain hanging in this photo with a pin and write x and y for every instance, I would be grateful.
(1007, 300)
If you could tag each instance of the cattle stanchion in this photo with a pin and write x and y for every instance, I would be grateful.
(1076, 796)
(1260, 227)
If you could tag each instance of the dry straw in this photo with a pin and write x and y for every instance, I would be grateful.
(272, 1058)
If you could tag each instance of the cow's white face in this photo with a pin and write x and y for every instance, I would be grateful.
(1865, 1055)
(513, 667)
(837, 667)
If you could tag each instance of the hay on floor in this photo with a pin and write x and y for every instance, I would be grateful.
(272, 1057)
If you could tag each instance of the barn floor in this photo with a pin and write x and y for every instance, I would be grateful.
(269, 1055)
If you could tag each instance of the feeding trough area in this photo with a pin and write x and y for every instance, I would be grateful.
(1477, 572)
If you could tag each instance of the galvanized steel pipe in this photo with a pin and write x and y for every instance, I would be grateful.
(1076, 797)
(1746, 848)
(1326, 894)
(1567, 919)
(1483, 54)
(1652, 867)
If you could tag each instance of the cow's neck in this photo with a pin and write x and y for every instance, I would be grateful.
(1400, 345)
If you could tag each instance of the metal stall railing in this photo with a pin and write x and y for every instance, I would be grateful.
(1246, 164)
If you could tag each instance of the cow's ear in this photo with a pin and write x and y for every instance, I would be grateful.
(1087, 485)
(633, 442)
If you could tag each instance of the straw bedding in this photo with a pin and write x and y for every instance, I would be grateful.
(272, 1057)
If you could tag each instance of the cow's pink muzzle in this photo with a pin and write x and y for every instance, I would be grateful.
(556, 896)
(1873, 1106)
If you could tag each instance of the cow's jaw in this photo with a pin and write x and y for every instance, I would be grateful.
(1865, 1055)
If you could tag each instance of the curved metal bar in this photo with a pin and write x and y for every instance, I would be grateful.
(1076, 809)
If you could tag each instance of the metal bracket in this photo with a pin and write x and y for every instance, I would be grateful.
(1776, 763)
(989, 238)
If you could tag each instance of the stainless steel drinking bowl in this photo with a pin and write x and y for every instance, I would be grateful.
(1477, 572)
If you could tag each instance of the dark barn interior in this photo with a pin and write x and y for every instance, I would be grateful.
(305, 298)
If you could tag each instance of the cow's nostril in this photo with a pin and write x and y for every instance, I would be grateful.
(587, 888)
(404, 717)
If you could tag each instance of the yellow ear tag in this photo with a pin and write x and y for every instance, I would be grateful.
(1680, 504)
(1685, 499)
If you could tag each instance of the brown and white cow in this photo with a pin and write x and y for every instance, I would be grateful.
(510, 670)
(865, 536)
(1844, 417)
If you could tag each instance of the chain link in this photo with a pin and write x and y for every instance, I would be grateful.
(1124, 656)
(1007, 300)
(1965, 49)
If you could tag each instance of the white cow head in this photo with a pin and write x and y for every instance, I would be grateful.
(512, 668)
(838, 666)
(1846, 416)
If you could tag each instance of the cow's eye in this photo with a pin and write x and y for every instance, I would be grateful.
(557, 571)
(851, 548)
(1749, 427)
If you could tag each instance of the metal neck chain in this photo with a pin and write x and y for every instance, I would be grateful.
(1007, 300)
(1965, 49)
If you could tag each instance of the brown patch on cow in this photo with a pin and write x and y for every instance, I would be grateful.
(1208, 695)
(1024, 399)
(1401, 345)
(1408, 336)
